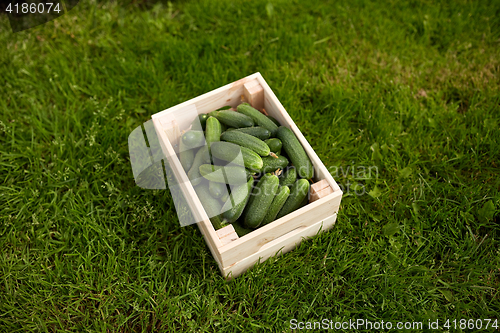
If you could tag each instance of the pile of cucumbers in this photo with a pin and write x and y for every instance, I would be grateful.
(246, 169)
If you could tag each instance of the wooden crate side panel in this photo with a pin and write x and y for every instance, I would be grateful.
(175, 122)
(179, 172)
(303, 217)
(229, 94)
(184, 116)
(189, 193)
(281, 246)
(274, 107)
(207, 231)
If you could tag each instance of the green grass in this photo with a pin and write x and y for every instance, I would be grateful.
(409, 89)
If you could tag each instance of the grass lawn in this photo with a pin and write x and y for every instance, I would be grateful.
(409, 90)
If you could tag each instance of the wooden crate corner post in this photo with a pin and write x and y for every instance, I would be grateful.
(319, 190)
(254, 94)
(227, 234)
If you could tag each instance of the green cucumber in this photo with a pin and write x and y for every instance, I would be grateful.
(199, 123)
(240, 230)
(233, 208)
(257, 131)
(295, 152)
(186, 156)
(253, 194)
(232, 175)
(274, 145)
(274, 120)
(211, 205)
(271, 164)
(216, 189)
(234, 119)
(192, 139)
(246, 140)
(288, 177)
(265, 191)
(304, 202)
(201, 157)
(231, 152)
(278, 202)
(298, 193)
(259, 118)
(213, 131)
(227, 107)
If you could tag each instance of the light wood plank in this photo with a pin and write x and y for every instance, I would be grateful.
(229, 94)
(281, 246)
(229, 238)
(189, 193)
(303, 217)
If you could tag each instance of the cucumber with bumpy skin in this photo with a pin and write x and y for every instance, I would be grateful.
(271, 164)
(257, 131)
(275, 145)
(192, 139)
(246, 140)
(233, 208)
(298, 193)
(240, 230)
(278, 202)
(211, 205)
(201, 157)
(259, 118)
(304, 202)
(213, 131)
(295, 152)
(266, 190)
(199, 123)
(232, 175)
(288, 177)
(234, 119)
(236, 154)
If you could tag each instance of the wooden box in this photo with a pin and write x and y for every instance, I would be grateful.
(235, 255)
